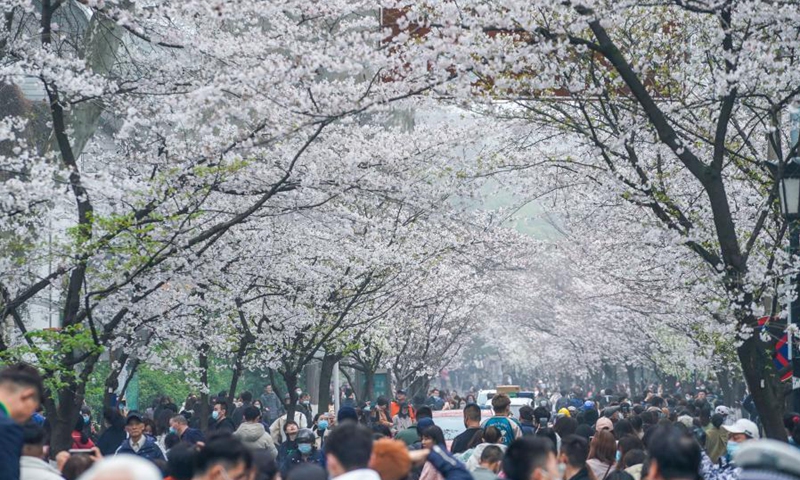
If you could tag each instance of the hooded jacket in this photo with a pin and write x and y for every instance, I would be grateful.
(254, 436)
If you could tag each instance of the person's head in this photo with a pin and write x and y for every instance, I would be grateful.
(565, 426)
(623, 428)
(305, 441)
(574, 452)
(530, 458)
(134, 425)
(382, 403)
(472, 415)
(268, 389)
(401, 396)
(220, 409)
(603, 447)
(673, 455)
(33, 439)
(223, 458)
(178, 424)
(123, 467)
(75, 466)
(633, 457)
(548, 432)
(742, 431)
(264, 465)
(542, 416)
(149, 427)
(424, 412)
(492, 435)
(21, 391)
(625, 445)
(112, 417)
(526, 414)
(251, 414)
(290, 428)
(701, 395)
(492, 458)
(347, 448)
(501, 404)
(433, 436)
(403, 410)
(390, 459)
(246, 397)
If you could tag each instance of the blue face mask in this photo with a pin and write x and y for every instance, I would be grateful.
(619, 456)
(86, 419)
(172, 430)
(732, 448)
(322, 424)
(305, 448)
(215, 415)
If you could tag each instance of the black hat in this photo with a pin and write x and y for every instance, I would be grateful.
(132, 415)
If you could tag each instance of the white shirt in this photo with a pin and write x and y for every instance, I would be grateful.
(32, 468)
(136, 446)
(360, 474)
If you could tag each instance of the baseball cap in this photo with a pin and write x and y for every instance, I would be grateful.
(768, 459)
(604, 423)
(722, 410)
(588, 405)
(424, 423)
(745, 426)
(133, 415)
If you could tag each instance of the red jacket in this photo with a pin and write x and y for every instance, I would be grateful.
(76, 441)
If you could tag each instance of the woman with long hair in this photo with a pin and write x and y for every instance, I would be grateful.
(80, 434)
(432, 437)
(602, 454)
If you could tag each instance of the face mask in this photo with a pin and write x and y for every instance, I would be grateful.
(305, 448)
(215, 415)
(298, 392)
(619, 456)
(306, 403)
(86, 419)
(258, 406)
(322, 424)
(562, 470)
(732, 448)
(172, 430)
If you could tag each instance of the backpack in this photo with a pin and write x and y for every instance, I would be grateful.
(503, 424)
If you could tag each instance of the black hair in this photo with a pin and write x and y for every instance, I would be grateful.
(80, 426)
(565, 426)
(634, 457)
(619, 475)
(541, 412)
(246, 396)
(290, 422)
(33, 433)
(75, 466)
(171, 440)
(424, 412)
(24, 375)
(636, 422)
(677, 455)
(526, 413)
(492, 434)
(307, 471)
(548, 433)
(436, 434)
(223, 403)
(472, 412)
(657, 402)
(584, 431)
(622, 428)
(576, 448)
(225, 449)
(351, 444)
(628, 443)
(251, 413)
(525, 455)
(717, 420)
(491, 454)
(382, 401)
(265, 465)
(382, 430)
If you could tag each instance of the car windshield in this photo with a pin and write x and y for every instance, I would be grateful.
(451, 426)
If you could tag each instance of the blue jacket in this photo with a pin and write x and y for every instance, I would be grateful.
(296, 458)
(447, 465)
(10, 446)
(150, 450)
(192, 435)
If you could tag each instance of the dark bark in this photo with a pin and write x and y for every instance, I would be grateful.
(759, 373)
(631, 370)
(725, 383)
(325, 376)
(290, 378)
(369, 383)
(204, 406)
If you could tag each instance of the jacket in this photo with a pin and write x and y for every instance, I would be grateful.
(224, 425)
(192, 435)
(150, 450)
(716, 444)
(238, 414)
(32, 468)
(394, 409)
(472, 457)
(399, 423)
(583, 474)
(601, 470)
(509, 428)
(10, 446)
(409, 436)
(483, 473)
(635, 471)
(254, 436)
(111, 439)
(76, 441)
(285, 450)
(448, 466)
(276, 429)
(272, 404)
(296, 458)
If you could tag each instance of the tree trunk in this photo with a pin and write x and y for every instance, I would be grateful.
(631, 378)
(238, 366)
(725, 383)
(68, 410)
(290, 377)
(325, 375)
(204, 406)
(759, 373)
(369, 383)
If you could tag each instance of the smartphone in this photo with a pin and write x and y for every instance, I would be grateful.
(78, 451)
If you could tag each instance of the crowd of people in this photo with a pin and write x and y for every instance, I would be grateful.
(566, 436)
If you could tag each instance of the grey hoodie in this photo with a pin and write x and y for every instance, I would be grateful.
(254, 436)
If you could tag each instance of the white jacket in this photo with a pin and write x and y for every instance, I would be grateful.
(32, 468)
(254, 436)
(276, 429)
